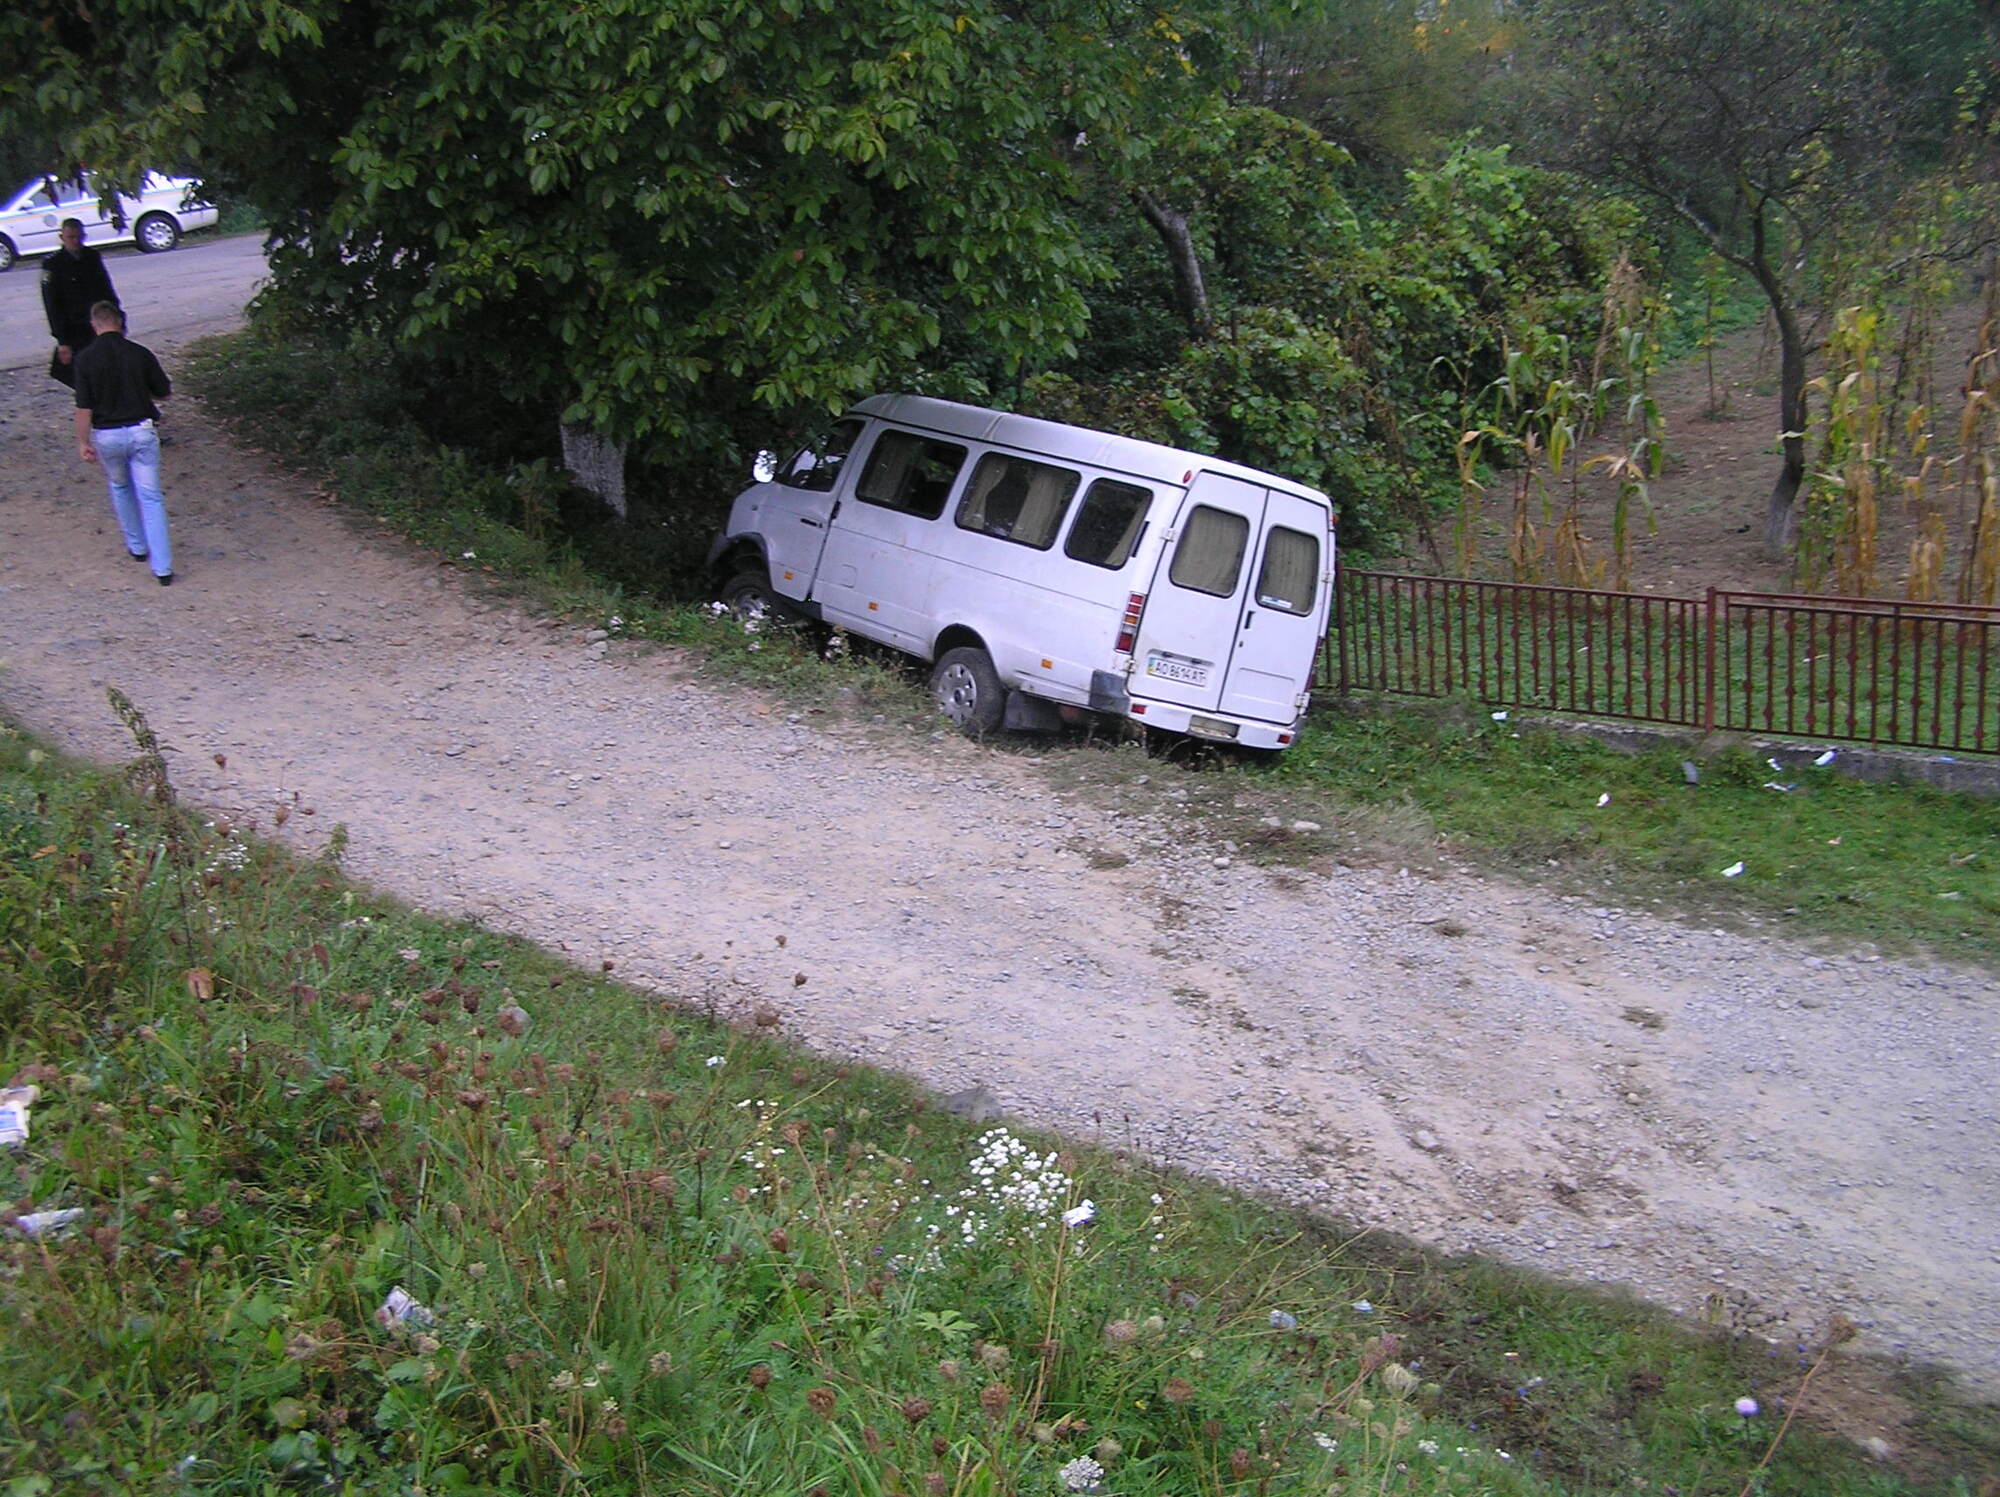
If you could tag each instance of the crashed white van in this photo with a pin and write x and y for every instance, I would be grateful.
(1046, 570)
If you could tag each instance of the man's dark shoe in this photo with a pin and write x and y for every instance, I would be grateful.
(167, 580)
(136, 555)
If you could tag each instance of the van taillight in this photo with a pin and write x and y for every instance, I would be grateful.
(1128, 627)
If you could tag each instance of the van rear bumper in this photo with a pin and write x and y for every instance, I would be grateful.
(1250, 733)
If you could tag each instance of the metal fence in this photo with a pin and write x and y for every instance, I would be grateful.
(1919, 675)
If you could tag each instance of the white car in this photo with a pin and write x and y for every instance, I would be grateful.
(164, 210)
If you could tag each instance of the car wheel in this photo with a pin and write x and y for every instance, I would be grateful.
(8, 254)
(748, 597)
(968, 690)
(156, 232)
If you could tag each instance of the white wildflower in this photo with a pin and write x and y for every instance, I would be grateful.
(1082, 1475)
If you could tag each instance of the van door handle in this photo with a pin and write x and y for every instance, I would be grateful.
(814, 523)
(1249, 617)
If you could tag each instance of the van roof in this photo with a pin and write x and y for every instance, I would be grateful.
(1080, 444)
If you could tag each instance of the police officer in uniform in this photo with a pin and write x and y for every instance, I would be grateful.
(73, 281)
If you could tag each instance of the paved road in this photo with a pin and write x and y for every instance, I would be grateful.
(199, 288)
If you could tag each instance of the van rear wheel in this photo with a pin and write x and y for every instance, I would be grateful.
(968, 690)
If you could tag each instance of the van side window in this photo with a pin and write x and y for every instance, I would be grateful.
(816, 466)
(1108, 523)
(1017, 500)
(910, 473)
(1209, 555)
(1289, 578)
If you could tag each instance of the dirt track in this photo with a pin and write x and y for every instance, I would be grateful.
(1709, 1118)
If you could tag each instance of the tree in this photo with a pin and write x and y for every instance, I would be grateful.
(644, 214)
(1770, 126)
(1394, 82)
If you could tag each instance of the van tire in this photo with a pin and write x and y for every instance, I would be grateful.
(747, 595)
(968, 690)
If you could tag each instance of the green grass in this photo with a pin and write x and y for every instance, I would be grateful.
(662, 1251)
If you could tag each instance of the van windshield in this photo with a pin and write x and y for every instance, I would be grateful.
(816, 466)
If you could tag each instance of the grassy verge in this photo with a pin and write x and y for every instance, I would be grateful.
(1903, 866)
(374, 1203)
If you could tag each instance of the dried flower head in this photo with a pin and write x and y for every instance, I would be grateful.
(760, 1376)
(1178, 1390)
(992, 1354)
(916, 1410)
(821, 1401)
(1239, 1463)
(1398, 1379)
(993, 1401)
(1120, 1332)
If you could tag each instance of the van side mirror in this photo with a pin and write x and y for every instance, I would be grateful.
(764, 467)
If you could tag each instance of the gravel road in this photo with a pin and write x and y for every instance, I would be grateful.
(1772, 1131)
(196, 289)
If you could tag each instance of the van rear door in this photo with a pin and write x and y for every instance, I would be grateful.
(1233, 617)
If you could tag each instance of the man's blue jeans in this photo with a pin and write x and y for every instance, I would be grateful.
(131, 459)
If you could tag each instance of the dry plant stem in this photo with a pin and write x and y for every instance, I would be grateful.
(1042, 1357)
(1791, 1413)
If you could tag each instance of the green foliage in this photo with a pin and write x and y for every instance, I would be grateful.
(641, 1250)
(646, 217)
(1394, 81)
(1342, 350)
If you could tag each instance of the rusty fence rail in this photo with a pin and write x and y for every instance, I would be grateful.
(1918, 675)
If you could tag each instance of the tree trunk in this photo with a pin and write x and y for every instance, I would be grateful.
(1780, 517)
(1189, 289)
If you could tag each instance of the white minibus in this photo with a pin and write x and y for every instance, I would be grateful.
(1044, 570)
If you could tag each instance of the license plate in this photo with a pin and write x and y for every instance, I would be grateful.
(1186, 672)
(1210, 727)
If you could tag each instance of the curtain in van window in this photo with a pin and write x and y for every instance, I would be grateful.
(1209, 555)
(910, 473)
(1290, 575)
(1017, 500)
(1108, 523)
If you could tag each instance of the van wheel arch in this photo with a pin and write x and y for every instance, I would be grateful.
(744, 556)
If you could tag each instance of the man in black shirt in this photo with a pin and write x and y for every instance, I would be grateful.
(117, 383)
(73, 281)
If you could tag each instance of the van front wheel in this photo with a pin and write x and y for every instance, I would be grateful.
(968, 690)
(749, 599)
